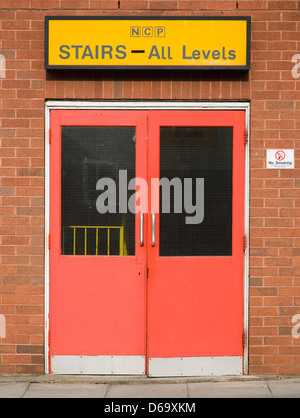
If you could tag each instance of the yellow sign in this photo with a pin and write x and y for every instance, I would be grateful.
(147, 43)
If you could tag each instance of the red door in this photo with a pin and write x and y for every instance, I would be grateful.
(97, 267)
(195, 284)
(146, 258)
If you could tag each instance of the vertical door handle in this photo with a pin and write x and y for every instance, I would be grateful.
(153, 230)
(142, 230)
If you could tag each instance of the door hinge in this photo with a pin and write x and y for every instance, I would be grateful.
(49, 338)
(244, 243)
(49, 241)
(50, 136)
(245, 136)
(147, 273)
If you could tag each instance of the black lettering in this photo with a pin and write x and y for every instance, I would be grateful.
(87, 52)
(76, 47)
(216, 54)
(206, 53)
(65, 50)
(119, 51)
(154, 53)
(196, 54)
(184, 54)
(107, 50)
(231, 55)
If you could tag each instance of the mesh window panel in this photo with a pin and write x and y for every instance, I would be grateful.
(203, 153)
(92, 221)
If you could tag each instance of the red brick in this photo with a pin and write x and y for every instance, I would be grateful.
(75, 4)
(15, 4)
(282, 5)
(192, 5)
(274, 195)
(102, 5)
(291, 16)
(222, 5)
(252, 5)
(133, 4)
(41, 4)
(163, 5)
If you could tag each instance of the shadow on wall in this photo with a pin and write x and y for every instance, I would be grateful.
(148, 75)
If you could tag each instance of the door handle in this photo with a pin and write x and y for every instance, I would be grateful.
(142, 230)
(153, 230)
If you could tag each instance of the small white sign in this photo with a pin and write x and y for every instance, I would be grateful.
(280, 158)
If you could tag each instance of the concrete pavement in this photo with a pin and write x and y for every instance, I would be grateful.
(144, 388)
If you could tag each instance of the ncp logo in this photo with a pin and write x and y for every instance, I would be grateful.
(148, 31)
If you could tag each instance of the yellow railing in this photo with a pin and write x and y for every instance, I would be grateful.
(122, 245)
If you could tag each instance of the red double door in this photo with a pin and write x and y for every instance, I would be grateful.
(146, 257)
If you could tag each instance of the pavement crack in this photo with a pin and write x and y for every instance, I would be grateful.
(107, 386)
(187, 390)
(270, 390)
(22, 396)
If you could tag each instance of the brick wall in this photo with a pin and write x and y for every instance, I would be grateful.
(275, 194)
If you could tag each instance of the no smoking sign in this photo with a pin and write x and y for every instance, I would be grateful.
(280, 158)
(280, 155)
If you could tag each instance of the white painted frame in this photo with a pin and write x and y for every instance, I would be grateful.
(165, 105)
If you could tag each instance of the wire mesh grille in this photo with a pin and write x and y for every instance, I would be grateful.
(204, 153)
(90, 154)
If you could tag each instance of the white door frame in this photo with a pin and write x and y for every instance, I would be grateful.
(110, 105)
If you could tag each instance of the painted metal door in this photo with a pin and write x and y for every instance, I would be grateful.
(146, 258)
(195, 283)
(97, 287)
